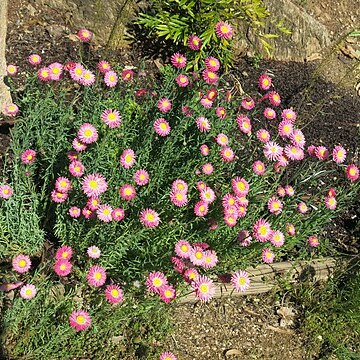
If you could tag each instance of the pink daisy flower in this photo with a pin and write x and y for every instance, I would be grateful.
(313, 241)
(28, 156)
(167, 356)
(87, 133)
(84, 35)
(96, 276)
(222, 139)
(103, 66)
(149, 218)
(78, 145)
(87, 213)
(248, 103)
(127, 192)
(28, 291)
(330, 202)
(179, 185)
(207, 195)
(290, 228)
(230, 219)
(210, 259)
(281, 191)
(64, 252)
(201, 208)
(164, 105)
(212, 64)
(118, 214)
(259, 167)
(21, 264)
(178, 60)
(228, 200)
(267, 256)
(311, 150)
(204, 288)
(332, 192)
(77, 72)
(190, 275)
(244, 124)
(221, 112)
(62, 184)
(204, 149)
(58, 197)
(11, 109)
(167, 293)
(285, 128)
(200, 185)
(182, 80)
(283, 161)
(265, 82)
(241, 211)
(242, 201)
(104, 213)
(76, 169)
(179, 265)
(62, 267)
(93, 185)
(206, 103)
(70, 65)
(288, 114)
(127, 158)
(34, 59)
(339, 154)
(203, 124)
(302, 208)
(262, 230)
(274, 98)
(114, 294)
(289, 190)
(93, 203)
(321, 152)
(141, 177)
(88, 78)
(223, 30)
(272, 151)
(93, 252)
(294, 152)
(56, 70)
(75, 212)
(10, 286)
(277, 238)
(210, 77)
(183, 249)
(80, 320)
(194, 42)
(155, 281)
(244, 238)
(298, 138)
(227, 154)
(178, 198)
(240, 280)
(162, 127)
(263, 135)
(240, 186)
(44, 74)
(111, 78)
(127, 75)
(269, 113)
(11, 70)
(352, 172)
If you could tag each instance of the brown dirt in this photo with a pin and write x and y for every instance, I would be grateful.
(249, 325)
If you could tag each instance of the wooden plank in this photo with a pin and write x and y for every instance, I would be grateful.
(265, 277)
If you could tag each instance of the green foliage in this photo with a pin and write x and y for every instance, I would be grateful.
(176, 20)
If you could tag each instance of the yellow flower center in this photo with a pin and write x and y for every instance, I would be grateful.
(80, 319)
(28, 292)
(128, 158)
(184, 248)
(259, 167)
(202, 208)
(352, 172)
(204, 288)
(97, 276)
(241, 186)
(195, 42)
(157, 282)
(114, 293)
(265, 82)
(180, 186)
(93, 184)
(168, 293)
(163, 126)
(6, 191)
(62, 183)
(88, 132)
(242, 281)
(112, 78)
(78, 71)
(44, 73)
(211, 75)
(224, 29)
(288, 115)
(142, 177)
(65, 254)
(55, 71)
(165, 103)
(106, 212)
(198, 255)
(263, 230)
(22, 263)
(87, 76)
(111, 116)
(62, 267)
(128, 191)
(150, 217)
(77, 168)
(179, 196)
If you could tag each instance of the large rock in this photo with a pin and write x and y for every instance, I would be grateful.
(5, 97)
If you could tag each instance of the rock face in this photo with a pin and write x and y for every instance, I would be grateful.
(5, 96)
(107, 19)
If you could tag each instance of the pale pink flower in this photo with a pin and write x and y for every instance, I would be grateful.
(221, 112)
(127, 158)
(321, 152)
(62, 267)
(21, 264)
(11, 109)
(162, 127)
(267, 256)
(204, 149)
(141, 177)
(34, 59)
(28, 291)
(114, 294)
(182, 80)
(87, 134)
(58, 197)
(240, 280)
(265, 82)
(179, 185)
(62, 184)
(111, 78)
(64, 252)
(290, 228)
(277, 238)
(262, 230)
(93, 252)
(84, 35)
(313, 241)
(204, 288)
(78, 145)
(118, 214)
(269, 113)
(207, 195)
(167, 293)
(93, 185)
(240, 186)
(259, 167)
(201, 208)
(11, 70)
(352, 172)
(274, 98)
(55, 70)
(203, 124)
(330, 202)
(76, 168)
(164, 105)
(178, 198)
(339, 154)
(149, 218)
(285, 128)
(104, 213)
(244, 124)
(297, 138)
(210, 77)
(272, 151)
(103, 66)
(263, 135)
(288, 114)
(155, 281)
(75, 212)
(127, 192)
(302, 208)
(248, 103)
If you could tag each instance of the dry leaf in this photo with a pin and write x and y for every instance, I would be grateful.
(233, 352)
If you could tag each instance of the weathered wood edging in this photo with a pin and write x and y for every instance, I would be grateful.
(265, 277)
